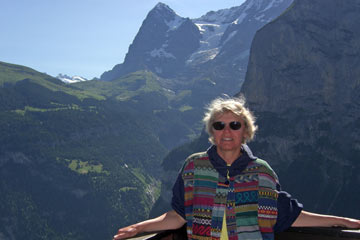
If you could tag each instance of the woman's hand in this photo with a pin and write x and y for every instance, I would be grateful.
(350, 223)
(169, 220)
(127, 232)
(309, 219)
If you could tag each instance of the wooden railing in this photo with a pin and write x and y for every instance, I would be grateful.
(303, 233)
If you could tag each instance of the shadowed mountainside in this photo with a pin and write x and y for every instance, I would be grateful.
(303, 83)
(70, 162)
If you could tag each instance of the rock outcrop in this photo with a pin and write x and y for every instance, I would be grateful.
(303, 84)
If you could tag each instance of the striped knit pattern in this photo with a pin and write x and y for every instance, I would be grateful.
(249, 199)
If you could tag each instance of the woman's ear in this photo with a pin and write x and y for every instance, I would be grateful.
(246, 136)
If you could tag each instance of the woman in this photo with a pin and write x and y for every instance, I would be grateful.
(226, 192)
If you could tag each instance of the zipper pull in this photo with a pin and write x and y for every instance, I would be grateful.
(227, 177)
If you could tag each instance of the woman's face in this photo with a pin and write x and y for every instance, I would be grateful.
(229, 139)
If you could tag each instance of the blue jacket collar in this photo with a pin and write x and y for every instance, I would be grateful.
(236, 167)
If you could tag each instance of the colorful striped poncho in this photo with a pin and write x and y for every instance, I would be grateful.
(249, 199)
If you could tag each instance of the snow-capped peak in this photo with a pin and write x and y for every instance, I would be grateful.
(67, 79)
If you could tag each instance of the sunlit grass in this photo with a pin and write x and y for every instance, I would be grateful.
(185, 108)
(84, 167)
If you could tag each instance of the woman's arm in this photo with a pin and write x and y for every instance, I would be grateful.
(169, 220)
(308, 219)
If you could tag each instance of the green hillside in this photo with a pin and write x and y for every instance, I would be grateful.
(11, 74)
(72, 161)
(173, 119)
(126, 87)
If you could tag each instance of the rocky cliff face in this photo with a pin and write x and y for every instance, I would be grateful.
(303, 85)
(162, 44)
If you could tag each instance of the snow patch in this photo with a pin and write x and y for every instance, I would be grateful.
(261, 18)
(66, 79)
(211, 34)
(203, 56)
(218, 17)
(175, 23)
(161, 52)
(240, 19)
(229, 37)
(273, 3)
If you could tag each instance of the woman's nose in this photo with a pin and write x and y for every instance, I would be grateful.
(227, 128)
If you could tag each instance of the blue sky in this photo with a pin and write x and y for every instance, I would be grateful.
(81, 37)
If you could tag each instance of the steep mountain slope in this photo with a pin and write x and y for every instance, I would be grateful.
(162, 45)
(303, 84)
(71, 162)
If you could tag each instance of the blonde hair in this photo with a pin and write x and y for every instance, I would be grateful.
(235, 105)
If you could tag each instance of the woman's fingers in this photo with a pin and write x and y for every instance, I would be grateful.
(126, 232)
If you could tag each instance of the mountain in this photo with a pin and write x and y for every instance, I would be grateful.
(67, 79)
(73, 164)
(198, 53)
(162, 45)
(303, 86)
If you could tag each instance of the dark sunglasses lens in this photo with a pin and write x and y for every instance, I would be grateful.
(235, 125)
(218, 125)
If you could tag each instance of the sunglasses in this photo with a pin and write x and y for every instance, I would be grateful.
(235, 125)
